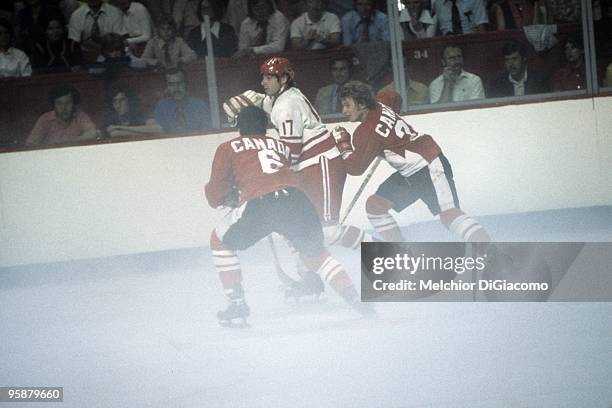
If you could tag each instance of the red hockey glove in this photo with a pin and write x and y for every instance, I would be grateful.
(343, 141)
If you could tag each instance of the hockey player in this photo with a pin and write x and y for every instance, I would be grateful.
(422, 170)
(257, 169)
(314, 156)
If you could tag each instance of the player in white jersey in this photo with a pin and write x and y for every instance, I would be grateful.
(314, 155)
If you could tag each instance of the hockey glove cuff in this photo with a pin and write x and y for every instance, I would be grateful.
(343, 141)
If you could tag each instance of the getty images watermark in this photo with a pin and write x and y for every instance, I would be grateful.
(454, 271)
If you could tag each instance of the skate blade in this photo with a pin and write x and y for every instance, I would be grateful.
(240, 324)
(318, 298)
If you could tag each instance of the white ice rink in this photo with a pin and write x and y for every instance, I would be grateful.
(140, 331)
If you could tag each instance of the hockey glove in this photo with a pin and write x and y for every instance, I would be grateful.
(234, 105)
(343, 141)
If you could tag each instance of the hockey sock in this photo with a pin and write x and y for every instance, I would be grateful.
(465, 226)
(377, 209)
(332, 272)
(227, 265)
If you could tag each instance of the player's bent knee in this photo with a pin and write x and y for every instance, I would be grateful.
(230, 241)
(376, 204)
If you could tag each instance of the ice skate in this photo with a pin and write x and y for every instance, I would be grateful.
(235, 315)
(309, 285)
(365, 310)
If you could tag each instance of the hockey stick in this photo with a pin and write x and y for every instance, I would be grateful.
(282, 276)
(364, 183)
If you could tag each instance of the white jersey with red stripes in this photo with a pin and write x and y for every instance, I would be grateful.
(300, 127)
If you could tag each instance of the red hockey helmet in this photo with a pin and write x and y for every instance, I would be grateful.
(277, 66)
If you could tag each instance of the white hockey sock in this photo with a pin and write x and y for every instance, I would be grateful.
(386, 226)
(227, 265)
(332, 272)
(466, 227)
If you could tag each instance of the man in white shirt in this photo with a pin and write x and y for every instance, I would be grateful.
(416, 21)
(91, 21)
(13, 62)
(264, 31)
(136, 20)
(316, 28)
(455, 84)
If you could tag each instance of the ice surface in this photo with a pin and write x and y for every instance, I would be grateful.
(140, 331)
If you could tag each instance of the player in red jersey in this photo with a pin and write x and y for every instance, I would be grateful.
(314, 156)
(256, 168)
(422, 170)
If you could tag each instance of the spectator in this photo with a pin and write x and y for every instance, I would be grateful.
(513, 14)
(364, 24)
(416, 21)
(455, 84)
(13, 62)
(340, 7)
(460, 16)
(179, 112)
(166, 50)
(55, 52)
(65, 123)
(572, 76)
(224, 39)
(91, 21)
(562, 11)
(67, 7)
(159, 8)
(136, 20)
(517, 79)
(418, 93)
(185, 16)
(124, 117)
(328, 98)
(7, 9)
(264, 31)
(235, 13)
(29, 23)
(316, 28)
(114, 58)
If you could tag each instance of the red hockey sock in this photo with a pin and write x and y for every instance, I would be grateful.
(227, 265)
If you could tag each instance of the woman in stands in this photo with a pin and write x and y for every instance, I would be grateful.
(571, 76)
(56, 52)
(124, 117)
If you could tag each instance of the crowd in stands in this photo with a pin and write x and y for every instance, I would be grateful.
(107, 37)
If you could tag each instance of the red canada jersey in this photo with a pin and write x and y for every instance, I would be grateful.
(255, 165)
(384, 133)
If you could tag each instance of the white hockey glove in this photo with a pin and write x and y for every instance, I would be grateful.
(234, 105)
(343, 141)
